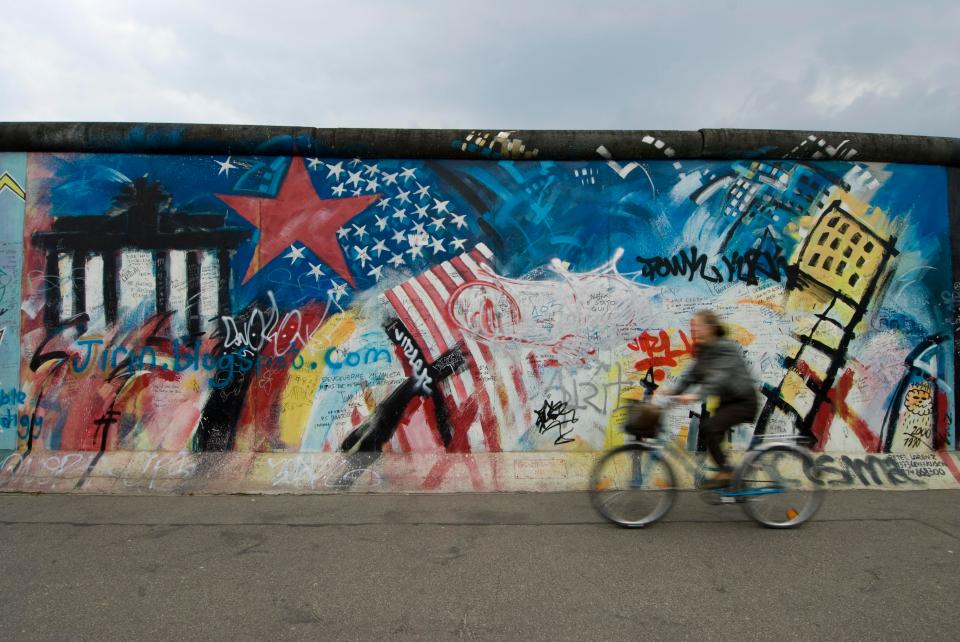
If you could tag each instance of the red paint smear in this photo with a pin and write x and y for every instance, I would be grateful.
(533, 365)
(461, 422)
(404, 424)
(821, 424)
(440, 469)
(941, 420)
(869, 441)
(805, 371)
(522, 393)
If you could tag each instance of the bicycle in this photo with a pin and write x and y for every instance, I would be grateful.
(634, 485)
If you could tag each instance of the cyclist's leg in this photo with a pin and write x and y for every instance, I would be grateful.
(715, 428)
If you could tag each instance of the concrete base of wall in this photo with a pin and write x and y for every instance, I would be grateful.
(266, 473)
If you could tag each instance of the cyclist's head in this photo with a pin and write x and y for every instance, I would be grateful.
(707, 326)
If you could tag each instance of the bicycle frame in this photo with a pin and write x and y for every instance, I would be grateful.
(687, 459)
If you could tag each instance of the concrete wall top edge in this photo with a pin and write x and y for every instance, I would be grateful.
(477, 144)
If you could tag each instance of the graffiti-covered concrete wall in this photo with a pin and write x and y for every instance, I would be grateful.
(226, 321)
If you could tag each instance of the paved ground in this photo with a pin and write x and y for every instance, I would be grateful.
(874, 565)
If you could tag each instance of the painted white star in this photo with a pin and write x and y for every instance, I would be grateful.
(399, 213)
(372, 185)
(437, 246)
(397, 260)
(419, 229)
(460, 220)
(440, 206)
(343, 233)
(415, 250)
(338, 190)
(355, 162)
(360, 230)
(383, 203)
(422, 211)
(335, 170)
(438, 223)
(403, 196)
(423, 192)
(380, 247)
(407, 174)
(371, 169)
(315, 272)
(225, 166)
(458, 243)
(294, 254)
(389, 179)
(314, 162)
(357, 192)
(399, 236)
(362, 255)
(381, 222)
(338, 290)
(355, 178)
(375, 272)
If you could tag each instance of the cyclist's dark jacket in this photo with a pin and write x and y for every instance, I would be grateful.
(720, 370)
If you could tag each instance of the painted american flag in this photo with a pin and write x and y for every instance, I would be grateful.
(494, 380)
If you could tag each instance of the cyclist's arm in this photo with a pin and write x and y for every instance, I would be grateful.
(691, 377)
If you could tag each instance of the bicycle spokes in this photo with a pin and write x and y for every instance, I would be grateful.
(632, 486)
(775, 489)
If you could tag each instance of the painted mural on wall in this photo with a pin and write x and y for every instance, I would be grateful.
(273, 304)
(13, 172)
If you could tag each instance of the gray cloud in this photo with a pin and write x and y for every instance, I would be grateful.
(869, 66)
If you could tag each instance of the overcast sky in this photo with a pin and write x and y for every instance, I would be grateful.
(875, 65)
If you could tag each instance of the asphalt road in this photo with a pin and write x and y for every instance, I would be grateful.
(873, 565)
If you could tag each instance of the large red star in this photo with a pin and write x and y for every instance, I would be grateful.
(297, 213)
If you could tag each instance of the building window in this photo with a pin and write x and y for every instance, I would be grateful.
(823, 238)
(868, 247)
(833, 222)
(814, 259)
(844, 227)
(834, 244)
(848, 252)
(860, 262)
(856, 238)
(841, 267)
(854, 278)
(827, 262)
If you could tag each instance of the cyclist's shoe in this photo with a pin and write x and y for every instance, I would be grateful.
(719, 481)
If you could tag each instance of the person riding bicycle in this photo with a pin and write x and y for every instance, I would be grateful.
(725, 382)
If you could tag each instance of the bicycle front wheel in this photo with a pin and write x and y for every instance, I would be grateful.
(773, 485)
(633, 485)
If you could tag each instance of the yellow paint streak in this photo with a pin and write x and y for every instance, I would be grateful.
(774, 306)
(294, 407)
(741, 335)
(613, 435)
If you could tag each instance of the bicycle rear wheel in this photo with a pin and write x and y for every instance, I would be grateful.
(774, 488)
(633, 485)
